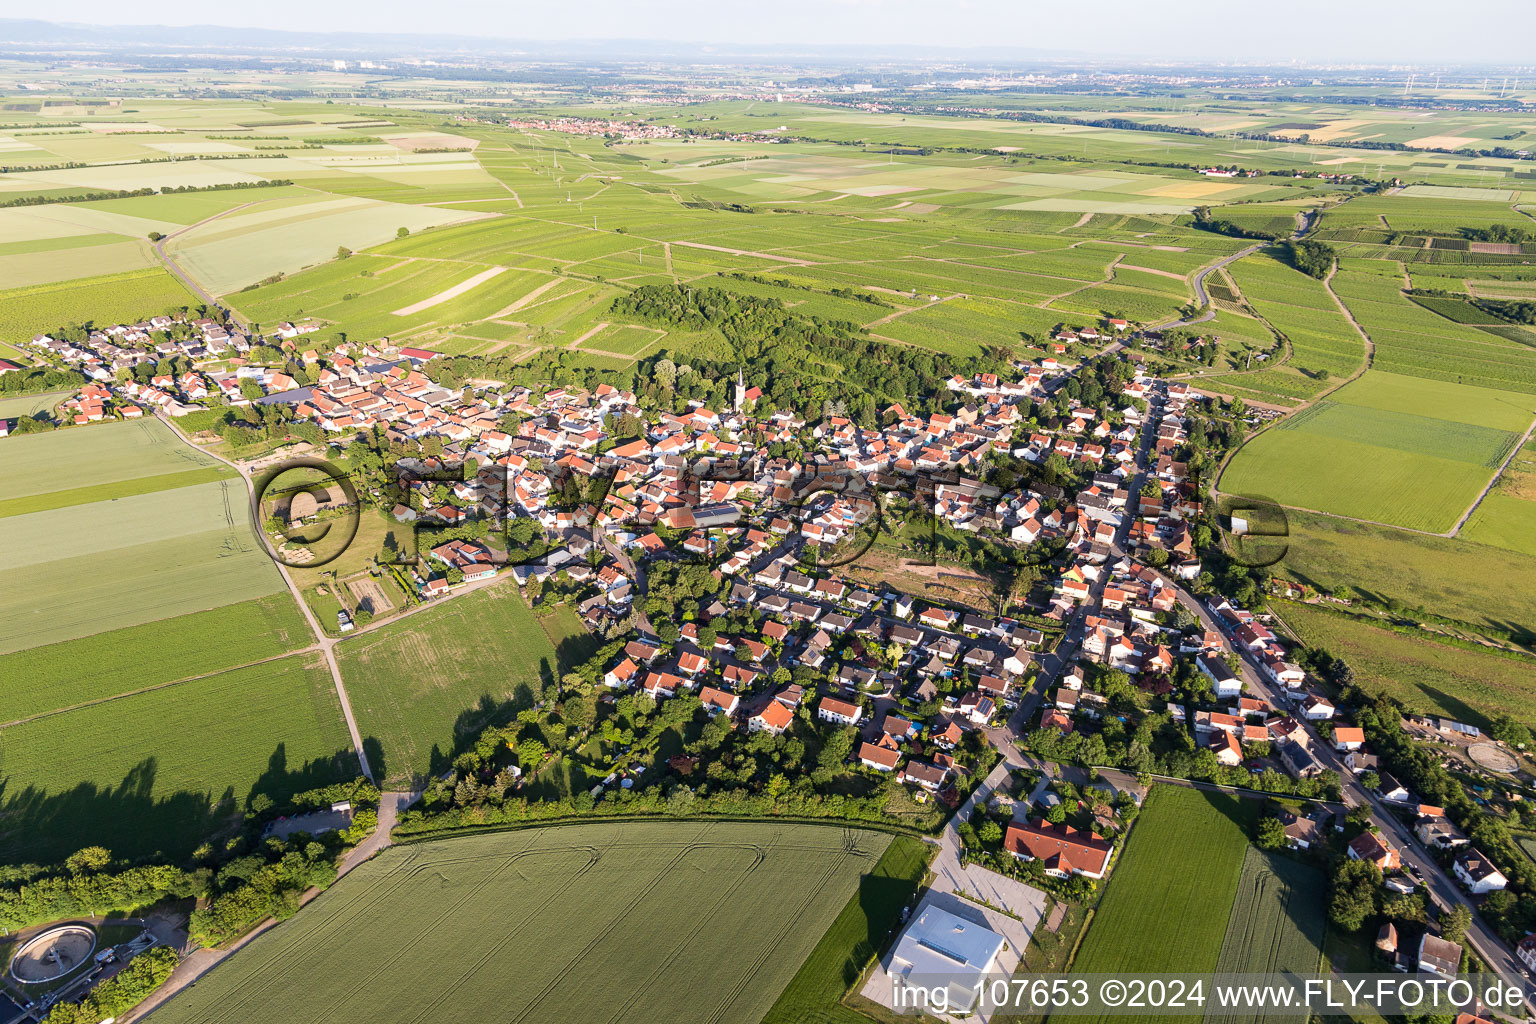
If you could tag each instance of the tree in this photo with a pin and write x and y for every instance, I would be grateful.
(1271, 834)
(1506, 729)
(1370, 780)
(155, 236)
(664, 372)
(342, 252)
(1454, 923)
(1057, 814)
(530, 753)
(403, 232)
(1355, 883)
(88, 860)
(579, 712)
(990, 832)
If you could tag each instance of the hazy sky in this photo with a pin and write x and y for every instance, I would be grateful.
(1411, 30)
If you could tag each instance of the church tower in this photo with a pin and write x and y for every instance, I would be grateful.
(741, 389)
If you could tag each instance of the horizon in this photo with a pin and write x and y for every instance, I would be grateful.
(1118, 29)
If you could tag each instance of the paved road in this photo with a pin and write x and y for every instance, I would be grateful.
(1201, 298)
(1305, 223)
(951, 875)
(1441, 888)
(182, 275)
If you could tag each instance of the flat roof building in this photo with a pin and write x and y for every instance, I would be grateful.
(939, 948)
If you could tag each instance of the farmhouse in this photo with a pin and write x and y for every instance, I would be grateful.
(1438, 955)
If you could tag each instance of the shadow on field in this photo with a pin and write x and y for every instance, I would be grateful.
(135, 821)
(487, 713)
(129, 819)
(881, 898)
(1453, 707)
(279, 782)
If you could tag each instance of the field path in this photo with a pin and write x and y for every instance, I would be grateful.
(520, 303)
(1153, 270)
(449, 293)
(1492, 481)
(595, 330)
(913, 309)
(1370, 346)
(747, 252)
(1109, 275)
(323, 642)
(1370, 358)
(181, 275)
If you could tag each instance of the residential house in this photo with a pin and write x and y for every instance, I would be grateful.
(1061, 849)
(1478, 873)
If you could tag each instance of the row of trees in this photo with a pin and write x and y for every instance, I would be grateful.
(121, 992)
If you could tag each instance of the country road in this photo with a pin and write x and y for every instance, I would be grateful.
(323, 643)
(1304, 223)
(1201, 297)
(175, 268)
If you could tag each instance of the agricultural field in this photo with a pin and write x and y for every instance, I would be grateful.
(1467, 685)
(84, 560)
(643, 910)
(157, 771)
(854, 939)
(1361, 454)
(421, 685)
(1277, 924)
(1474, 583)
(1300, 308)
(1411, 339)
(108, 299)
(1151, 919)
(249, 244)
(46, 679)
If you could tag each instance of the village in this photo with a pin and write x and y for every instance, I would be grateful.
(1113, 664)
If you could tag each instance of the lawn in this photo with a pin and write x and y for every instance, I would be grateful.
(644, 921)
(1164, 911)
(428, 682)
(1278, 922)
(159, 771)
(1426, 676)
